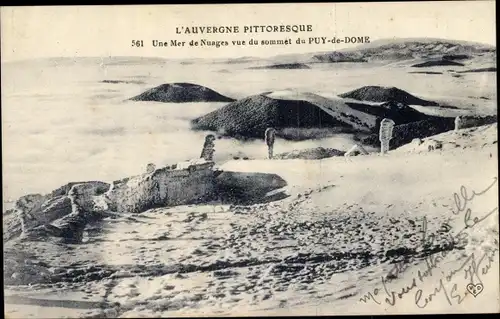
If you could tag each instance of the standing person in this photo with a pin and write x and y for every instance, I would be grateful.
(208, 148)
(270, 136)
(458, 123)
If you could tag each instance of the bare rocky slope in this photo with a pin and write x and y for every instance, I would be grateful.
(405, 133)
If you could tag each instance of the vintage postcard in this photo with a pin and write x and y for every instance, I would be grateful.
(250, 159)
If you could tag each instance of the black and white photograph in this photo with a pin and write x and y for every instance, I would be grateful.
(249, 159)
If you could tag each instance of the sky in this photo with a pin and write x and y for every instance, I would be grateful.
(51, 31)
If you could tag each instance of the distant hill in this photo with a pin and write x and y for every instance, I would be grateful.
(441, 62)
(281, 66)
(396, 50)
(337, 57)
(456, 57)
(378, 50)
(385, 94)
(480, 70)
(181, 93)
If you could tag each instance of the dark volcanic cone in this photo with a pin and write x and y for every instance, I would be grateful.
(386, 94)
(181, 93)
(251, 116)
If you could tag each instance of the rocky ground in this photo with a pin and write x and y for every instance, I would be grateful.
(346, 223)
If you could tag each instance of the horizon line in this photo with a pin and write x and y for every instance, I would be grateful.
(360, 46)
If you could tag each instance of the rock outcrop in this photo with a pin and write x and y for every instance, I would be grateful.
(240, 187)
(35, 216)
(310, 154)
(87, 205)
(181, 93)
(356, 150)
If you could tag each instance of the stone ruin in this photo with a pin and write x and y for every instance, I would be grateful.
(269, 137)
(64, 213)
(188, 183)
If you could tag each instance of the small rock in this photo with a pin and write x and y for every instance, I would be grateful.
(111, 313)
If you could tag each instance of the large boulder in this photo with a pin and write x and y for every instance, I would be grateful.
(241, 187)
(34, 212)
(87, 205)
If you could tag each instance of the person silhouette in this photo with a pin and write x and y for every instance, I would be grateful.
(270, 136)
(208, 148)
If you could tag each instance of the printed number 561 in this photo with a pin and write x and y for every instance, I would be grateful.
(137, 43)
